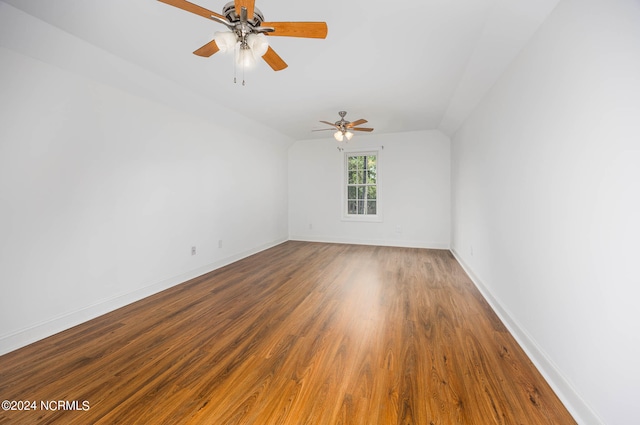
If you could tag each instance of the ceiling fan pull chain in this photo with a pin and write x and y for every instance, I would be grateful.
(235, 65)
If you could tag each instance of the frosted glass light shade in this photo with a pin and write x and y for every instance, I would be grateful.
(258, 44)
(349, 135)
(338, 136)
(225, 40)
(245, 58)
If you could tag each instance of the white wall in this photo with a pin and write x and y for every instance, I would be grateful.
(104, 192)
(546, 201)
(414, 183)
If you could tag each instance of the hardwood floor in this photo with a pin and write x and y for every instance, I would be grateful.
(303, 333)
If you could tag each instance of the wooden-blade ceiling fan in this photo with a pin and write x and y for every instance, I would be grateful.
(247, 27)
(345, 128)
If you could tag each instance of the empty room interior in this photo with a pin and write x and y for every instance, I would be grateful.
(330, 212)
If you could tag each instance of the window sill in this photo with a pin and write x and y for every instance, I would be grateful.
(363, 218)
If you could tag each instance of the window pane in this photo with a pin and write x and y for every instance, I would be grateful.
(361, 191)
(356, 163)
(371, 207)
(353, 177)
(371, 177)
(351, 192)
(360, 207)
(353, 164)
(352, 207)
(372, 192)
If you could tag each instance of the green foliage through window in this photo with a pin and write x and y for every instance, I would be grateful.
(362, 184)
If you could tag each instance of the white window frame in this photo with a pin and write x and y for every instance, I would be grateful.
(345, 174)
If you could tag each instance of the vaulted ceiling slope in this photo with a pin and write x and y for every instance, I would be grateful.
(415, 65)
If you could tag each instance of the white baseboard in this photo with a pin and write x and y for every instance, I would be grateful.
(579, 409)
(26, 336)
(377, 242)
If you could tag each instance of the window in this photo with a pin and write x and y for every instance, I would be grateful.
(361, 193)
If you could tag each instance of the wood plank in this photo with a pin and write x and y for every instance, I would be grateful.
(303, 333)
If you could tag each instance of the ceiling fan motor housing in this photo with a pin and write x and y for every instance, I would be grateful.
(229, 12)
(342, 123)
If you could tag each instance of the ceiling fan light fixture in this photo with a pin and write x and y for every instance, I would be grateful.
(258, 44)
(244, 57)
(226, 40)
(345, 129)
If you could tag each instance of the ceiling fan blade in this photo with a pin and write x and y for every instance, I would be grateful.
(207, 50)
(193, 8)
(248, 4)
(275, 62)
(297, 29)
(325, 129)
(357, 122)
(361, 129)
(329, 123)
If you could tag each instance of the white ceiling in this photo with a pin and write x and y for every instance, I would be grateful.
(420, 65)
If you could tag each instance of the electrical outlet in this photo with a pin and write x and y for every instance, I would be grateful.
(219, 243)
(193, 250)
